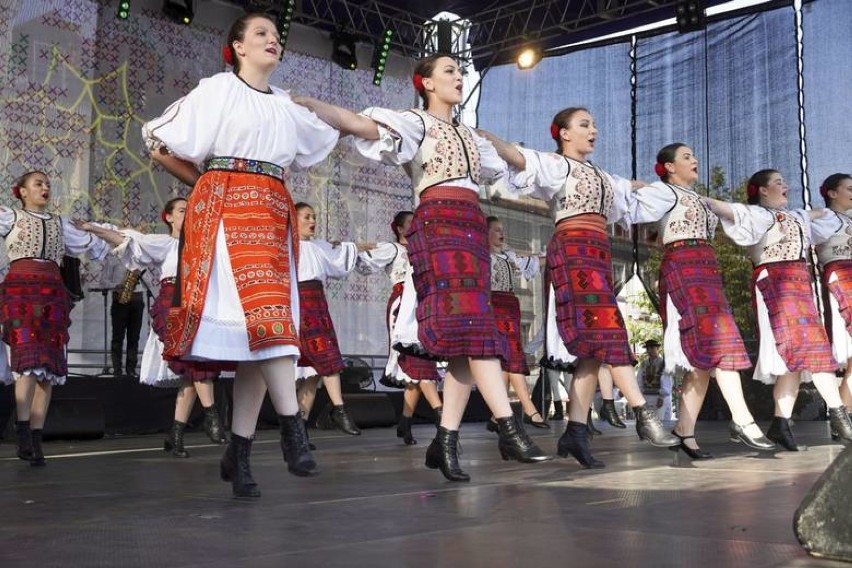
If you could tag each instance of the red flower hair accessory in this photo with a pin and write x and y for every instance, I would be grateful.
(752, 191)
(417, 81)
(228, 55)
(554, 131)
(660, 170)
(163, 217)
(16, 191)
(823, 191)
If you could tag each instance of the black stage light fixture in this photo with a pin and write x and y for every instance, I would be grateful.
(380, 56)
(179, 12)
(123, 11)
(690, 16)
(445, 37)
(343, 50)
(283, 23)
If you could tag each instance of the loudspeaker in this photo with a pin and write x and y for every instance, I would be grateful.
(823, 521)
(445, 37)
(75, 419)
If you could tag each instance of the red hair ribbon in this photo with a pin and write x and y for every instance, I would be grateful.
(228, 55)
(16, 191)
(417, 81)
(660, 170)
(752, 191)
(823, 191)
(554, 131)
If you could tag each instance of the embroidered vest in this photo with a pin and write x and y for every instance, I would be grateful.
(447, 152)
(839, 246)
(586, 190)
(784, 241)
(396, 270)
(34, 237)
(689, 218)
(504, 272)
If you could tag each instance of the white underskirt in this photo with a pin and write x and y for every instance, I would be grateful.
(222, 333)
(154, 371)
(676, 360)
(555, 351)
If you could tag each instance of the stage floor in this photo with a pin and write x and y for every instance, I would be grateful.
(126, 503)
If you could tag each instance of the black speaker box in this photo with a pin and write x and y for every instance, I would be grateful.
(823, 521)
(75, 418)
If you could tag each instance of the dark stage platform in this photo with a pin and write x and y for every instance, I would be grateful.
(124, 502)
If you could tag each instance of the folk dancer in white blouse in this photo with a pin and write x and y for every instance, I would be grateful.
(700, 333)
(793, 342)
(139, 251)
(448, 249)
(832, 237)
(414, 374)
(320, 260)
(34, 305)
(583, 199)
(237, 273)
(507, 269)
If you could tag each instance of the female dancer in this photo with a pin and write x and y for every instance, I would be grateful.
(832, 235)
(792, 337)
(139, 251)
(319, 260)
(237, 268)
(506, 271)
(583, 199)
(414, 374)
(700, 333)
(34, 305)
(448, 249)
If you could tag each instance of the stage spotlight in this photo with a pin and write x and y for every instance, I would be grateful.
(123, 9)
(343, 50)
(380, 57)
(283, 23)
(529, 57)
(179, 12)
(690, 15)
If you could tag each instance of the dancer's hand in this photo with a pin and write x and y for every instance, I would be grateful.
(363, 247)
(83, 225)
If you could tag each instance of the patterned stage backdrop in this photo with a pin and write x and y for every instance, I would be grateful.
(77, 84)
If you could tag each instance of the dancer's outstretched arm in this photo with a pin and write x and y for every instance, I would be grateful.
(344, 120)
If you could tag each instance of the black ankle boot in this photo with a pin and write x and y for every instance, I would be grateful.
(443, 454)
(649, 428)
(234, 467)
(341, 418)
(610, 414)
(213, 426)
(575, 442)
(439, 412)
(590, 425)
(25, 439)
(841, 427)
(38, 455)
(516, 444)
(294, 446)
(781, 433)
(174, 443)
(403, 430)
(558, 413)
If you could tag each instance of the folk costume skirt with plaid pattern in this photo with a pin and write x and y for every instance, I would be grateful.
(448, 250)
(190, 370)
(792, 336)
(579, 262)
(34, 310)
(507, 310)
(235, 297)
(700, 331)
(318, 340)
(837, 278)
(402, 369)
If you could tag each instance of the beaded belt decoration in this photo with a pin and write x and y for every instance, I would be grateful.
(243, 165)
